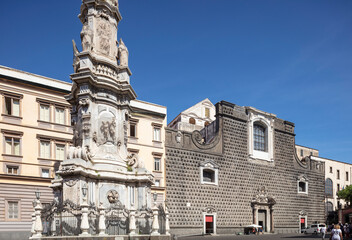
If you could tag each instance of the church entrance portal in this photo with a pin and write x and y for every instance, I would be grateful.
(262, 219)
(263, 211)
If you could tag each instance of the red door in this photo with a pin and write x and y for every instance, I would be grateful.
(209, 224)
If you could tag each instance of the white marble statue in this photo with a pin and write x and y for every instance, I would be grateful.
(123, 54)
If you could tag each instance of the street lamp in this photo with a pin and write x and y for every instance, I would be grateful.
(37, 194)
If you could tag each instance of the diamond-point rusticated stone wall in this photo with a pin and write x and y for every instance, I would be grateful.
(239, 178)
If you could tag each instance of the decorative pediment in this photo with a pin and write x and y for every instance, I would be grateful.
(262, 197)
(210, 209)
(303, 213)
(302, 178)
(209, 164)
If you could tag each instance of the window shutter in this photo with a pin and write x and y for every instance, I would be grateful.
(16, 107)
(8, 145)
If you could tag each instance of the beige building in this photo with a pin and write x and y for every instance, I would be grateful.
(146, 137)
(337, 177)
(36, 132)
(303, 151)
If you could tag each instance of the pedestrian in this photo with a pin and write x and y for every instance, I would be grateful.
(336, 233)
(323, 232)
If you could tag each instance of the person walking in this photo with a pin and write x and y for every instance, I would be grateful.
(323, 232)
(336, 233)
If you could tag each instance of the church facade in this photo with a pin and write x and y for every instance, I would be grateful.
(241, 169)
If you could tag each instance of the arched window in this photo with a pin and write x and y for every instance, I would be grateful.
(259, 137)
(328, 187)
(192, 121)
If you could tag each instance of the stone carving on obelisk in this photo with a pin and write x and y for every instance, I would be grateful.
(100, 100)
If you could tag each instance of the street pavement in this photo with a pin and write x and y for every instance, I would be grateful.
(257, 237)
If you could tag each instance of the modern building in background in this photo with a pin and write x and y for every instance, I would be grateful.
(36, 133)
(239, 170)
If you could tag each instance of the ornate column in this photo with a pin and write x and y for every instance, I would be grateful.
(132, 220)
(53, 225)
(84, 206)
(33, 225)
(155, 225)
(84, 220)
(102, 226)
(167, 224)
(268, 219)
(272, 219)
(38, 221)
(255, 214)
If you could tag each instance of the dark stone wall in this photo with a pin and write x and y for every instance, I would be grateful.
(239, 177)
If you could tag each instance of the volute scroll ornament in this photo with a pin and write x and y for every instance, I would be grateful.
(133, 160)
(200, 141)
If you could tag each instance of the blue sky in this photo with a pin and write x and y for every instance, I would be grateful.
(290, 58)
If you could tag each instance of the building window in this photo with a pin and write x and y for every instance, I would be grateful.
(192, 121)
(346, 176)
(207, 112)
(311, 153)
(337, 188)
(12, 106)
(133, 130)
(133, 127)
(12, 145)
(209, 173)
(12, 210)
(302, 187)
(44, 112)
(301, 152)
(45, 149)
(260, 135)
(157, 163)
(157, 134)
(338, 174)
(328, 187)
(259, 138)
(330, 169)
(45, 173)
(12, 170)
(157, 183)
(59, 115)
(60, 152)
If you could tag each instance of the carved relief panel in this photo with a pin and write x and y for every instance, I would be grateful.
(104, 35)
(107, 128)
